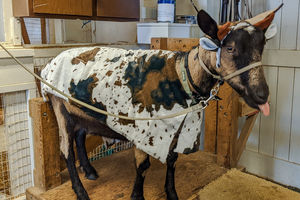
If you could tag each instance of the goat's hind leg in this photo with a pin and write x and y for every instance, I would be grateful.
(89, 170)
(66, 128)
(169, 184)
(142, 164)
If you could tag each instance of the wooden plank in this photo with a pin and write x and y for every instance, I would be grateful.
(295, 129)
(283, 113)
(33, 193)
(267, 124)
(174, 44)
(270, 5)
(253, 139)
(210, 121)
(43, 31)
(117, 174)
(46, 145)
(244, 109)
(182, 44)
(25, 36)
(241, 142)
(66, 7)
(289, 24)
(227, 124)
(159, 43)
(118, 8)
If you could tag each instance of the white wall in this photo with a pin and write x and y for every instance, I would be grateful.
(75, 31)
(273, 148)
(2, 38)
(112, 32)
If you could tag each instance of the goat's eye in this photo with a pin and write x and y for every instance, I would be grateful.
(229, 49)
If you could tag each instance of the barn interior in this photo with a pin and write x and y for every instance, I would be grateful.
(243, 154)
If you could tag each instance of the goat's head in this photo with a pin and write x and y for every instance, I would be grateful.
(238, 45)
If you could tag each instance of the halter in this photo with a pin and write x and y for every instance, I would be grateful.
(210, 46)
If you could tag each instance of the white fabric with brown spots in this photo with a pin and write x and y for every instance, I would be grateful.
(107, 66)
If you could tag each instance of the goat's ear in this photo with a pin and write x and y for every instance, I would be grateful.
(207, 24)
(264, 20)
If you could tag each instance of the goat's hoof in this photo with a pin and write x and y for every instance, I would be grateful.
(92, 176)
(80, 198)
(137, 197)
(172, 196)
(83, 196)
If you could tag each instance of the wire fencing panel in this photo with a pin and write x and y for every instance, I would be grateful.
(17, 144)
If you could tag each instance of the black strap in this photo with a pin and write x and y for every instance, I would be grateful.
(186, 66)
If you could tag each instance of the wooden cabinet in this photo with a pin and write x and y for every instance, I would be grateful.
(118, 8)
(113, 10)
(64, 7)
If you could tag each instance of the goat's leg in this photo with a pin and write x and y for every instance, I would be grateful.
(142, 164)
(89, 170)
(66, 125)
(76, 183)
(169, 184)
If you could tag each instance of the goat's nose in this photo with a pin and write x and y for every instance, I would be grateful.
(262, 93)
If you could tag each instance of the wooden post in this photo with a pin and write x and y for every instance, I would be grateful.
(210, 137)
(47, 160)
(24, 31)
(46, 145)
(43, 31)
(227, 128)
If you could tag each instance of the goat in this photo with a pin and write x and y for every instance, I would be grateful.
(148, 83)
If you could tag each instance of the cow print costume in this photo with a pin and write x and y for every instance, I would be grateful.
(134, 83)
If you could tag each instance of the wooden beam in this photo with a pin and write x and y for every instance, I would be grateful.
(24, 31)
(241, 142)
(244, 109)
(43, 31)
(174, 44)
(227, 128)
(210, 137)
(159, 43)
(46, 145)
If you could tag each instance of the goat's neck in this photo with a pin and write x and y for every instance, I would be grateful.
(200, 77)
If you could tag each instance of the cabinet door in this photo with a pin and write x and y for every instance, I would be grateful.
(119, 8)
(63, 7)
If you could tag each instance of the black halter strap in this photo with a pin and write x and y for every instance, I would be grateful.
(186, 66)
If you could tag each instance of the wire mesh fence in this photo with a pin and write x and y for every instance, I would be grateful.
(15, 160)
(103, 151)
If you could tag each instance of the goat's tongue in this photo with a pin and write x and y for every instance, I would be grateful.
(265, 109)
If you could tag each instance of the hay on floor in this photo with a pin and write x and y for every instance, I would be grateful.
(236, 185)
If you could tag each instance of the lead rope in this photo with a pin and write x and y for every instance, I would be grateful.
(200, 106)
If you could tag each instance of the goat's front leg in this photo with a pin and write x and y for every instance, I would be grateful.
(142, 164)
(169, 184)
(89, 170)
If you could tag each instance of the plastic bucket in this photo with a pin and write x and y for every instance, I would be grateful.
(165, 11)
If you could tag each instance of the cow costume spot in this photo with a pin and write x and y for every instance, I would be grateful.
(140, 83)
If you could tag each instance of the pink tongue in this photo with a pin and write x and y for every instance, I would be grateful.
(265, 109)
